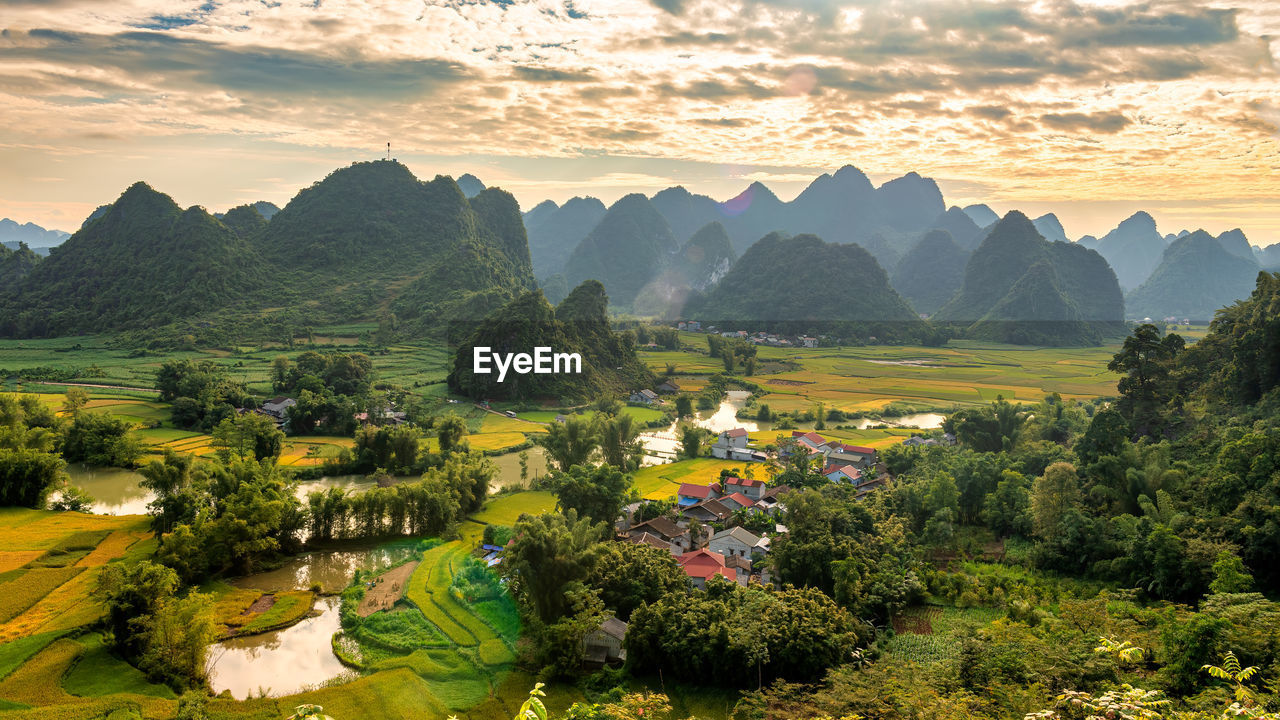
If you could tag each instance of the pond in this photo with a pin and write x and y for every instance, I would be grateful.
(282, 662)
(115, 491)
(300, 656)
(508, 466)
(920, 421)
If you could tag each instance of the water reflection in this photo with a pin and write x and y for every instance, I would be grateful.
(115, 491)
(279, 663)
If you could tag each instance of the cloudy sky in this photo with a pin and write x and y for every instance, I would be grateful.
(1089, 108)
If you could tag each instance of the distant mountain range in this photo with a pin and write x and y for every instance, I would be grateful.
(372, 242)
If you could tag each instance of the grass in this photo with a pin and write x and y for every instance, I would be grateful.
(401, 630)
(506, 509)
(15, 653)
(70, 550)
(98, 673)
(938, 642)
(24, 591)
(289, 608)
(38, 681)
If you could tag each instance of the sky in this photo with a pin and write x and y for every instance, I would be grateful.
(1091, 109)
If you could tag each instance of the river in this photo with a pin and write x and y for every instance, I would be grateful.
(661, 446)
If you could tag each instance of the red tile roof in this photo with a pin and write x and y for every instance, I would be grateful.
(736, 432)
(704, 564)
(694, 491)
(741, 499)
(859, 449)
(744, 482)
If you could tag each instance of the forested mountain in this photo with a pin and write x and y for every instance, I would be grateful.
(1269, 257)
(1235, 242)
(1133, 249)
(578, 325)
(368, 240)
(16, 264)
(963, 230)
(1019, 287)
(982, 215)
(931, 272)
(143, 262)
(470, 185)
(1050, 228)
(706, 257)
(625, 251)
(30, 233)
(555, 232)
(1196, 276)
(803, 284)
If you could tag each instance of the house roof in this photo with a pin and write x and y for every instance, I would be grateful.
(651, 540)
(661, 527)
(276, 400)
(614, 627)
(774, 492)
(848, 471)
(647, 393)
(741, 499)
(716, 508)
(694, 491)
(746, 537)
(744, 482)
(736, 432)
(811, 437)
(738, 561)
(704, 564)
(858, 449)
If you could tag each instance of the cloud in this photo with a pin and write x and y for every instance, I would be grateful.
(1105, 122)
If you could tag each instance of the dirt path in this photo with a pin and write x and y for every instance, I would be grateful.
(89, 385)
(387, 589)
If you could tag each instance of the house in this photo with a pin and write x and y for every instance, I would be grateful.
(809, 342)
(276, 407)
(646, 397)
(653, 541)
(738, 541)
(843, 473)
(604, 644)
(740, 566)
(728, 442)
(753, 489)
(811, 440)
(870, 486)
(690, 494)
(562, 419)
(771, 501)
(678, 539)
(708, 511)
(738, 500)
(702, 565)
(669, 386)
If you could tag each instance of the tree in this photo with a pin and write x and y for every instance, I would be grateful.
(619, 440)
(280, 375)
(449, 434)
(597, 493)
(76, 399)
(1007, 509)
(691, 437)
(684, 405)
(1237, 676)
(629, 576)
(547, 554)
(1145, 360)
(1230, 575)
(1052, 495)
(99, 439)
(248, 435)
(28, 476)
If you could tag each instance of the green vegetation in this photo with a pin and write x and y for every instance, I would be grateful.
(931, 272)
(851, 298)
(1022, 289)
(579, 324)
(1196, 276)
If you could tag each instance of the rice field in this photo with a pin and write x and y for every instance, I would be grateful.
(928, 634)
(660, 482)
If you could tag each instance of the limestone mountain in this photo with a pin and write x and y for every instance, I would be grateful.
(963, 230)
(1195, 278)
(1133, 249)
(33, 235)
(625, 251)
(1019, 287)
(982, 215)
(685, 212)
(931, 272)
(368, 241)
(16, 264)
(1235, 242)
(555, 232)
(1050, 228)
(143, 262)
(578, 325)
(803, 284)
(706, 258)
(470, 185)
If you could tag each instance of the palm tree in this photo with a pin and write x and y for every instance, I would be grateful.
(1234, 674)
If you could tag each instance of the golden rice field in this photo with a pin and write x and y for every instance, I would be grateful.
(660, 482)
